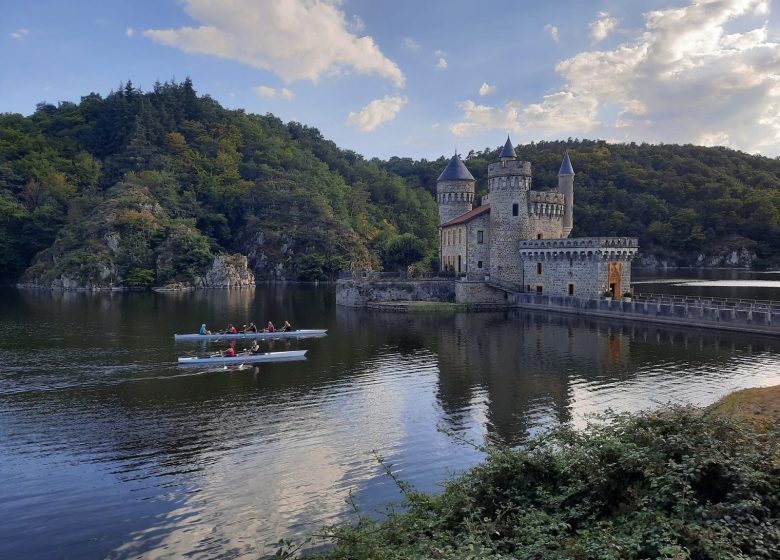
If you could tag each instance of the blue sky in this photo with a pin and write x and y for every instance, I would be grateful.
(421, 79)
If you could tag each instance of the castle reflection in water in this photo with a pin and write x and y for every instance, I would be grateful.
(526, 370)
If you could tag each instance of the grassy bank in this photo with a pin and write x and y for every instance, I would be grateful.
(759, 406)
(673, 484)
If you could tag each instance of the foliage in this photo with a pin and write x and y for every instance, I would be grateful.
(281, 193)
(176, 178)
(400, 251)
(674, 484)
(140, 277)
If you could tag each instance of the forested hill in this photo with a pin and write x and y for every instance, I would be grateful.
(145, 188)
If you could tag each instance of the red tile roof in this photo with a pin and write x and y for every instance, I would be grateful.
(463, 218)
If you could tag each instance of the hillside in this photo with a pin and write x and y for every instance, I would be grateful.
(146, 188)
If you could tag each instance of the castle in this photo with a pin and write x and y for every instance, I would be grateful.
(518, 238)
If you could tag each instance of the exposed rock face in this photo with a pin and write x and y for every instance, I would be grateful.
(227, 271)
(271, 255)
(742, 258)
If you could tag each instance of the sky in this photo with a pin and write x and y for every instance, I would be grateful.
(423, 78)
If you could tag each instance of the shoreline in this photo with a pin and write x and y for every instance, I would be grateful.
(155, 289)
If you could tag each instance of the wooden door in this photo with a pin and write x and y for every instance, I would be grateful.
(614, 279)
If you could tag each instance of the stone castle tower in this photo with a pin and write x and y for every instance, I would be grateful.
(509, 183)
(454, 190)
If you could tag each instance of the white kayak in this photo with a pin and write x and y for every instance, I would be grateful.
(302, 333)
(286, 356)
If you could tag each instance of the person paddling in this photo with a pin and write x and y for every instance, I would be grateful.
(251, 328)
(231, 329)
(255, 349)
(287, 327)
(230, 352)
(203, 329)
(270, 327)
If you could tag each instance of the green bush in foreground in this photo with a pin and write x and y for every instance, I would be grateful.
(676, 484)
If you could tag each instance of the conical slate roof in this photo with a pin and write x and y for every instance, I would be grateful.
(566, 168)
(455, 171)
(508, 151)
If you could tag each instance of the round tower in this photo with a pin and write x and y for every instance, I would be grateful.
(509, 182)
(566, 187)
(454, 190)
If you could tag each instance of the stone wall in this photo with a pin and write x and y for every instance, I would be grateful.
(479, 292)
(453, 245)
(357, 293)
(477, 252)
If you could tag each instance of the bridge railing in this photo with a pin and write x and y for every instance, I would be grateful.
(744, 303)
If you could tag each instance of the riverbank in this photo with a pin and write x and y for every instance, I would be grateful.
(675, 484)
(760, 406)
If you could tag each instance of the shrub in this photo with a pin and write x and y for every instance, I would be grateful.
(675, 484)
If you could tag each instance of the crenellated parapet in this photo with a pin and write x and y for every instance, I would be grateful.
(581, 248)
(546, 203)
(512, 167)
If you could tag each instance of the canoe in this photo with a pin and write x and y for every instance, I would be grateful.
(302, 333)
(244, 358)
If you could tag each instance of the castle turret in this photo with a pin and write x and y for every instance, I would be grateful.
(509, 182)
(508, 152)
(454, 190)
(566, 187)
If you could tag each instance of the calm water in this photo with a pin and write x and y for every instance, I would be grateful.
(109, 450)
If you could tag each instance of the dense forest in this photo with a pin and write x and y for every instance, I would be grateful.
(145, 188)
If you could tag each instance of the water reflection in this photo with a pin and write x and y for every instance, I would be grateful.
(109, 449)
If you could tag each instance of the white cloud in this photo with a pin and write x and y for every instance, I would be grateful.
(602, 27)
(265, 91)
(410, 44)
(553, 31)
(377, 112)
(439, 53)
(295, 39)
(442, 64)
(20, 34)
(486, 89)
(558, 112)
(683, 77)
(129, 31)
(478, 118)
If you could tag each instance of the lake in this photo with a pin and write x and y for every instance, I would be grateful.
(108, 449)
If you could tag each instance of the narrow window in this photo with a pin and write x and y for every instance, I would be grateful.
(538, 235)
(479, 264)
(460, 235)
(539, 289)
(538, 268)
(459, 270)
(515, 209)
(480, 236)
(571, 289)
(529, 288)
